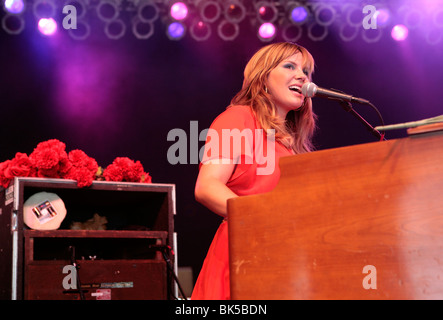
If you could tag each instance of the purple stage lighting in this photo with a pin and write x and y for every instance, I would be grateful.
(179, 11)
(209, 10)
(399, 32)
(382, 16)
(299, 14)
(200, 30)
(14, 6)
(47, 26)
(267, 13)
(176, 31)
(266, 31)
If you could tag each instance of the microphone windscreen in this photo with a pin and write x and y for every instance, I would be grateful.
(309, 89)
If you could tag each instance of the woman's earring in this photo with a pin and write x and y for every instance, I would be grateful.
(266, 89)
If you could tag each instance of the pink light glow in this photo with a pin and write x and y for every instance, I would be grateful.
(382, 16)
(47, 26)
(14, 6)
(266, 30)
(179, 11)
(399, 32)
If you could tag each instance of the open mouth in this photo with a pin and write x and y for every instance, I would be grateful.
(295, 88)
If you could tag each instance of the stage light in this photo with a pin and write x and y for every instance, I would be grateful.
(297, 13)
(44, 9)
(14, 6)
(325, 14)
(353, 14)
(399, 32)
(383, 17)
(292, 33)
(178, 11)
(147, 11)
(13, 24)
(175, 31)
(266, 31)
(82, 32)
(47, 26)
(228, 31)
(107, 10)
(348, 33)
(292, 19)
(413, 18)
(209, 11)
(142, 30)
(234, 11)
(200, 30)
(266, 12)
(317, 32)
(115, 29)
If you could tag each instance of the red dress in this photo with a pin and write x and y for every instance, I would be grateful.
(256, 172)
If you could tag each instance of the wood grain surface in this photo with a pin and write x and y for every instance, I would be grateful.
(359, 222)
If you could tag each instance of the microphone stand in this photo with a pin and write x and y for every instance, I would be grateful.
(347, 106)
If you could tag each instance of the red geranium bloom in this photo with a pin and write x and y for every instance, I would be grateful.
(49, 157)
(146, 178)
(50, 160)
(20, 166)
(4, 181)
(124, 169)
(82, 168)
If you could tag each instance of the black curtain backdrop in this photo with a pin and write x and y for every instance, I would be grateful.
(113, 98)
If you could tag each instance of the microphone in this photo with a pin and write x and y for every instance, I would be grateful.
(310, 90)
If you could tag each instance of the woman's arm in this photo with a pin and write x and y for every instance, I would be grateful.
(211, 189)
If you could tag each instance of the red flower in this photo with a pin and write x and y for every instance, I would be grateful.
(79, 159)
(82, 168)
(20, 166)
(4, 181)
(83, 176)
(125, 169)
(50, 158)
(146, 178)
(63, 168)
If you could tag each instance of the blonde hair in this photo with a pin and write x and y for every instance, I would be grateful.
(297, 130)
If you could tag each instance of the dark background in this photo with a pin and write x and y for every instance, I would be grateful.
(114, 98)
